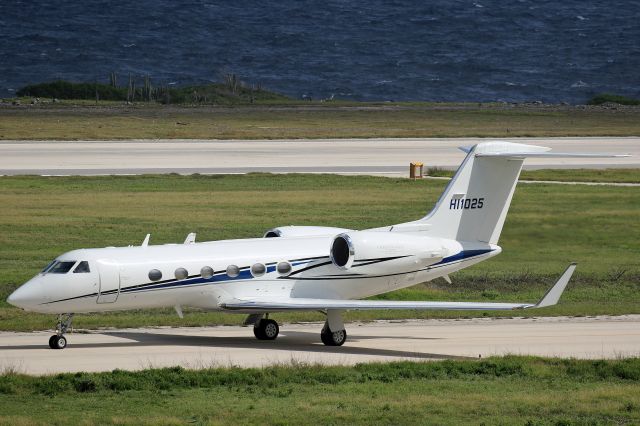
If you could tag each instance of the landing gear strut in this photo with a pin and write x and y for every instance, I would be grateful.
(58, 341)
(266, 329)
(333, 332)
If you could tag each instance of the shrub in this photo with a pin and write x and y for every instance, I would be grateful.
(67, 90)
(608, 97)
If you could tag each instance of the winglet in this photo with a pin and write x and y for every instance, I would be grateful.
(145, 243)
(191, 238)
(553, 295)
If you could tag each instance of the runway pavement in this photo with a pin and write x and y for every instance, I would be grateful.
(345, 156)
(419, 340)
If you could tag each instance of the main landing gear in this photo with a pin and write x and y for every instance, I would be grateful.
(58, 340)
(266, 329)
(332, 334)
(332, 338)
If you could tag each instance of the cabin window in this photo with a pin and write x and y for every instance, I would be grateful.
(283, 268)
(233, 271)
(82, 268)
(155, 275)
(258, 269)
(181, 274)
(62, 267)
(206, 272)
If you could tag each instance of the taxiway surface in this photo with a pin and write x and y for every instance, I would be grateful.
(418, 340)
(344, 156)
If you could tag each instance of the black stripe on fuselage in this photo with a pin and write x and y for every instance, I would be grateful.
(142, 287)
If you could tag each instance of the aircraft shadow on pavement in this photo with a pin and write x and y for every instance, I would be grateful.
(295, 341)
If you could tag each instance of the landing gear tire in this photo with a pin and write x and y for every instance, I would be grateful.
(266, 329)
(57, 342)
(333, 338)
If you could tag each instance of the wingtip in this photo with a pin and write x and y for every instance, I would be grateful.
(555, 292)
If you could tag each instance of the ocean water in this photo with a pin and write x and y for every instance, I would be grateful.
(440, 50)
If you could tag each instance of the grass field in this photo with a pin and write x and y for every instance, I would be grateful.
(511, 390)
(313, 120)
(548, 226)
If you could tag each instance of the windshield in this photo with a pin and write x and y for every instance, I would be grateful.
(62, 267)
(46, 268)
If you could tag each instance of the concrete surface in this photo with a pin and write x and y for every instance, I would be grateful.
(421, 340)
(348, 156)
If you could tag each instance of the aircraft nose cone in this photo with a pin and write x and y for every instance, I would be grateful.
(26, 296)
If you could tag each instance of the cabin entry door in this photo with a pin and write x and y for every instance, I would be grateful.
(109, 281)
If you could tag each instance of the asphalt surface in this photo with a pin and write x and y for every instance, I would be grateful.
(344, 156)
(418, 340)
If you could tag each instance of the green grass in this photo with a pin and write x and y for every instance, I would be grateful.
(510, 390)
(548, 226)
(564, 175)
(294, 119)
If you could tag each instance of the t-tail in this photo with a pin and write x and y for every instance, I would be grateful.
(474, 205)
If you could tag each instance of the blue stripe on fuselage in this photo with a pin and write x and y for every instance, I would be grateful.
(464, 254)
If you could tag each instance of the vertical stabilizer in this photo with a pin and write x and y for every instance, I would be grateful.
(474, 205)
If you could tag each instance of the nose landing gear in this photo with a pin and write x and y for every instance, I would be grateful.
(58, 340)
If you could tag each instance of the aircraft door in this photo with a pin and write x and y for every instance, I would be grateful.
(109, 281)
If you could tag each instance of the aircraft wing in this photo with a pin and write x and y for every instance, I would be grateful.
(304, 304)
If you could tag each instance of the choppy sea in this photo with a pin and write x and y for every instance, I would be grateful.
(441, 50)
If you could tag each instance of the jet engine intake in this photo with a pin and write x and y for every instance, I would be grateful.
(372, 250)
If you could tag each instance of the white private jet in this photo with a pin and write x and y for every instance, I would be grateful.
(301, 268)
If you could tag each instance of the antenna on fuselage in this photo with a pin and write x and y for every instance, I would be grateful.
(191, 238)
(146, 240)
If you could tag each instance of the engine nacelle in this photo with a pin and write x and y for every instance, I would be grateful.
(303, 231)
(376, 252)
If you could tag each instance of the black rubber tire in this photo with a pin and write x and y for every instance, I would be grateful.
(51, 341)
(331, 338)
(266, 329)
(258, 331)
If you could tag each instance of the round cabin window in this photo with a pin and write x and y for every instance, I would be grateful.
(206, 272)
(233, 271)
(258, 269)
(284, 268)
(155, 275)
(181, 274)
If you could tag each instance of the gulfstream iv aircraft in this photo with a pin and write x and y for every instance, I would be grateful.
(301, 268)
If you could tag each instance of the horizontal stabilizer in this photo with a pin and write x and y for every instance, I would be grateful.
(518, 150)
(550, 155)
(306, 304)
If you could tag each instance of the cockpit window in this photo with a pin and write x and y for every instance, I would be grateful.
(46, 268)
(62, 267)
(82, 268)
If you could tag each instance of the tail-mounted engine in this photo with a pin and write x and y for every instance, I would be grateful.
(370, 251)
